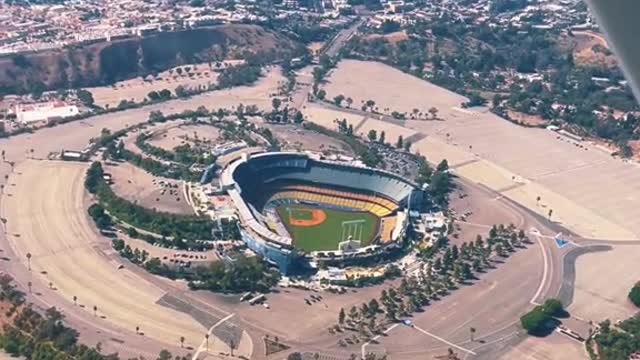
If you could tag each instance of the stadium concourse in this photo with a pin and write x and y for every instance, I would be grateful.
(364, 211)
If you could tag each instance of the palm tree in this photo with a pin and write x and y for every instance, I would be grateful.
(206, 337)
(29, 261)
(75, 300)
(137, 329)
(472, 331)
(95, 310)
(29, 285)
(182, 341)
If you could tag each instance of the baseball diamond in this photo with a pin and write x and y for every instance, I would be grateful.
(297, 207)
(310, 234)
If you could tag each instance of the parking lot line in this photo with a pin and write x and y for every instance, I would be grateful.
(444, 340)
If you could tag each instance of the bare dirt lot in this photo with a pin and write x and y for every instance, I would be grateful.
(64, 248)
(589, 191)
(185, 134)
(144, 189)
(296, 138)
(552, 347)
(596, 296)
(483, 210)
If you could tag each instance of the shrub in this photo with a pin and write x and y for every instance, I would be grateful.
(553, 307)
(535, 320)
(634, 294)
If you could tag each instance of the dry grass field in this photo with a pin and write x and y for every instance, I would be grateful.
(328, 117)
(389, 88)
(392, 131)
(137, 89)
(591, 48)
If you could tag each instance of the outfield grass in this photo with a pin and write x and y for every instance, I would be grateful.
(328, 235)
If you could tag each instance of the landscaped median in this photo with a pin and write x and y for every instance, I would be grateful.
(241, 274)
(186, 229)
(540, 320)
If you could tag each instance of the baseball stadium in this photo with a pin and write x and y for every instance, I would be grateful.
(300, 207)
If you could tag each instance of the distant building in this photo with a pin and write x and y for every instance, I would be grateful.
(395, 6)
(31, 113)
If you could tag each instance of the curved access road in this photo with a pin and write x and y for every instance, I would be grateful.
(45, 220)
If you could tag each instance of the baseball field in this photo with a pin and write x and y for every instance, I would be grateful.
(320, 229)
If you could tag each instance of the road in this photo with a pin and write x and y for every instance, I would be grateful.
(67, 253)
(342, 37)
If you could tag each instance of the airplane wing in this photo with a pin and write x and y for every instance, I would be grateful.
(618, 20)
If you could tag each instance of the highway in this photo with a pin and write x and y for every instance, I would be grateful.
(342, 37)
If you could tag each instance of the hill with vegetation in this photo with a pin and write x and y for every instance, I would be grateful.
(105, 63)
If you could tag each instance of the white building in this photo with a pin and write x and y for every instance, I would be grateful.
(30, 113)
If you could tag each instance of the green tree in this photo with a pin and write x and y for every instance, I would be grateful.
(276, 102)
(153, 95)
(165, 94)
(156, 116)
(374, 307)
(372, 135)
(341, 316)
(634, 294)
(164, 355)
(181, 91)
(86, 97)
(553, 307)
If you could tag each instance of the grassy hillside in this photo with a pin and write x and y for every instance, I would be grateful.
(107, 62)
